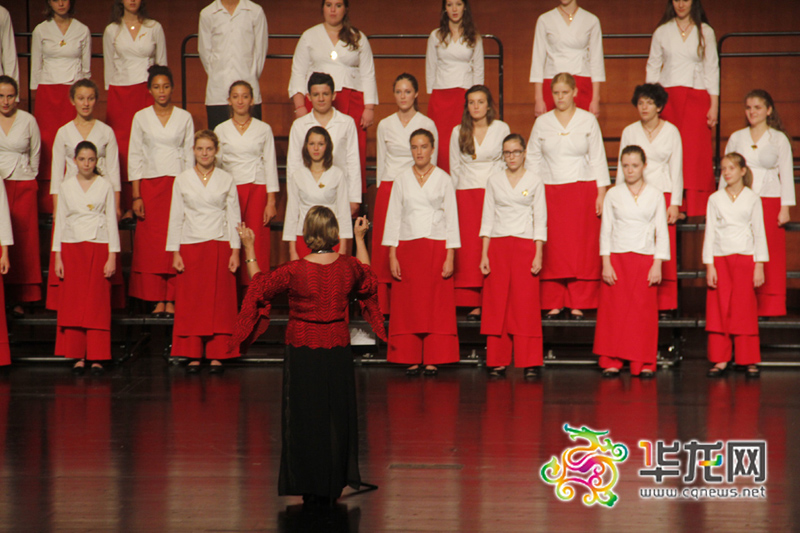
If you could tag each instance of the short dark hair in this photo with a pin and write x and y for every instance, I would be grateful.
(327, 158)
(424, 133)
(158, 70)
(321, 78)
(515, 137)
(8, 80)
(87, 145)
(633, 149)
(653, 91)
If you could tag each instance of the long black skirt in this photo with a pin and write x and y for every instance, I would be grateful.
(319, 426)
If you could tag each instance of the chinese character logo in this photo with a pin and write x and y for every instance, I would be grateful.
(592, 466)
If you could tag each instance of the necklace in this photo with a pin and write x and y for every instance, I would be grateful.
(421, 177)
(242, 125)
(327, 251)
(204, 175)
(733, 196)
(571, 16)
(638, 193)
(650, 132)
(683, 30)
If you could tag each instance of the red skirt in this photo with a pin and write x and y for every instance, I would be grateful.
(668, 288)
(627, 316)
(303, 250)
(771, 296)
(205, 292)
(84, 295)
(572, 250)
(445, 109)
(124, 102)
(52, 110)
(5, 352)
(423, 301)
(687, 109)
(380, 253)
(582, 100)
(731, 308)
(252, 202)
(150, 253)
(511, 291)
(351, 103)
(24, 278)
(468, 257)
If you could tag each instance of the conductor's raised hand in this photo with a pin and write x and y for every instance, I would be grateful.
(138, 208)
(247, 236)
(177, 262)
(361, 227)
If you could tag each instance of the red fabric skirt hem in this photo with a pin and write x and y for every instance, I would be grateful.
(731, 308)
(84, 295)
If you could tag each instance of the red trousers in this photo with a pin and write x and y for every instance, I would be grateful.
(151, 266)
(423, 325)
(668, 288)
(5, 352)
(571, 265)
(732, 312)
(688, 108)
(627, 317)
(24, 279)
(468, 278)
(582, 100)
(771, 296)
(123, 103)
(445, 109)
(84, 303)
(252, 202)
(205, 302)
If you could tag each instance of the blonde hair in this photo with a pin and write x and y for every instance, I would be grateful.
(320, 229)
(739, 160)
(207, 134)
(564, 77)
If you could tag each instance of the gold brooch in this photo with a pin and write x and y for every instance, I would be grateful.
(474, 157)
(90, 206)
(321, 185)
(334, 55)
(564, 133)
(525, 192)
(62, 43)
(754, 146)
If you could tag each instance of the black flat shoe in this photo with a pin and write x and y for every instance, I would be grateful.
(497, 372)
(752, 372)
(413, 372)
(573, 316)
(716, 372)
(430, 372)
(216, 369)
(554, 316)
(79, 370)
(533, 372)
(609, 373)
(192, 369)
(646, 374)
(473, 318)
(763, 319)
(666, 315)
(167, 315)
(97, 370)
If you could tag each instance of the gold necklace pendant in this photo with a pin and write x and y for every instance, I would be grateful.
(754, 146)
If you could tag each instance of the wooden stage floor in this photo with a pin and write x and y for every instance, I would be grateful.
(147, 448)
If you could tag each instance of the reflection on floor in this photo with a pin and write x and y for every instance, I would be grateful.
(147, 448)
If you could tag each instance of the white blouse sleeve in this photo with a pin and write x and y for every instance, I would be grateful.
(111, 171)
(161, 45)
(655, 59)
(366, 69)
(260, 45)
(204, 43)
(539, 212)
(111, 223)
(188, 144)
(533, 158)
(539, 54)
(380, 156)
(597, 156)
(676, 170)
(86, 56)
(135, 150)
(785, 169)
(35, 146)
(292, 210)
(662, 232)
(760, 249)
(710, 233)
(6, 234)
(176, 218)
(36, 58)
(606, 226)
(301, 63)
(394, 215)
(58, 228)
(58, 162)
(487, 216)
(453, 237)
(710, 61)
(343, 211)
(109, 66)
(271, 163)
(477, 62)
(353, 163)
(431, 63)
(234, 215)
(597, 66)
(456, 164)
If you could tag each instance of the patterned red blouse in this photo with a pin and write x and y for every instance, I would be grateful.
(318, 300)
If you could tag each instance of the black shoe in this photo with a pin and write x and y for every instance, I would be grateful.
(753, 372)
(473, 318)
(430, 371)
(610, 373)
(666, 315)
(646, 374)
(760, 319)
(167, 315)
(216, 369)
(413, 372)
(533, 372)
(97, 370)
(497, 372)
(554, 316)
(192, 369)
(573, 316)
(79, 370)
(715, 372)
